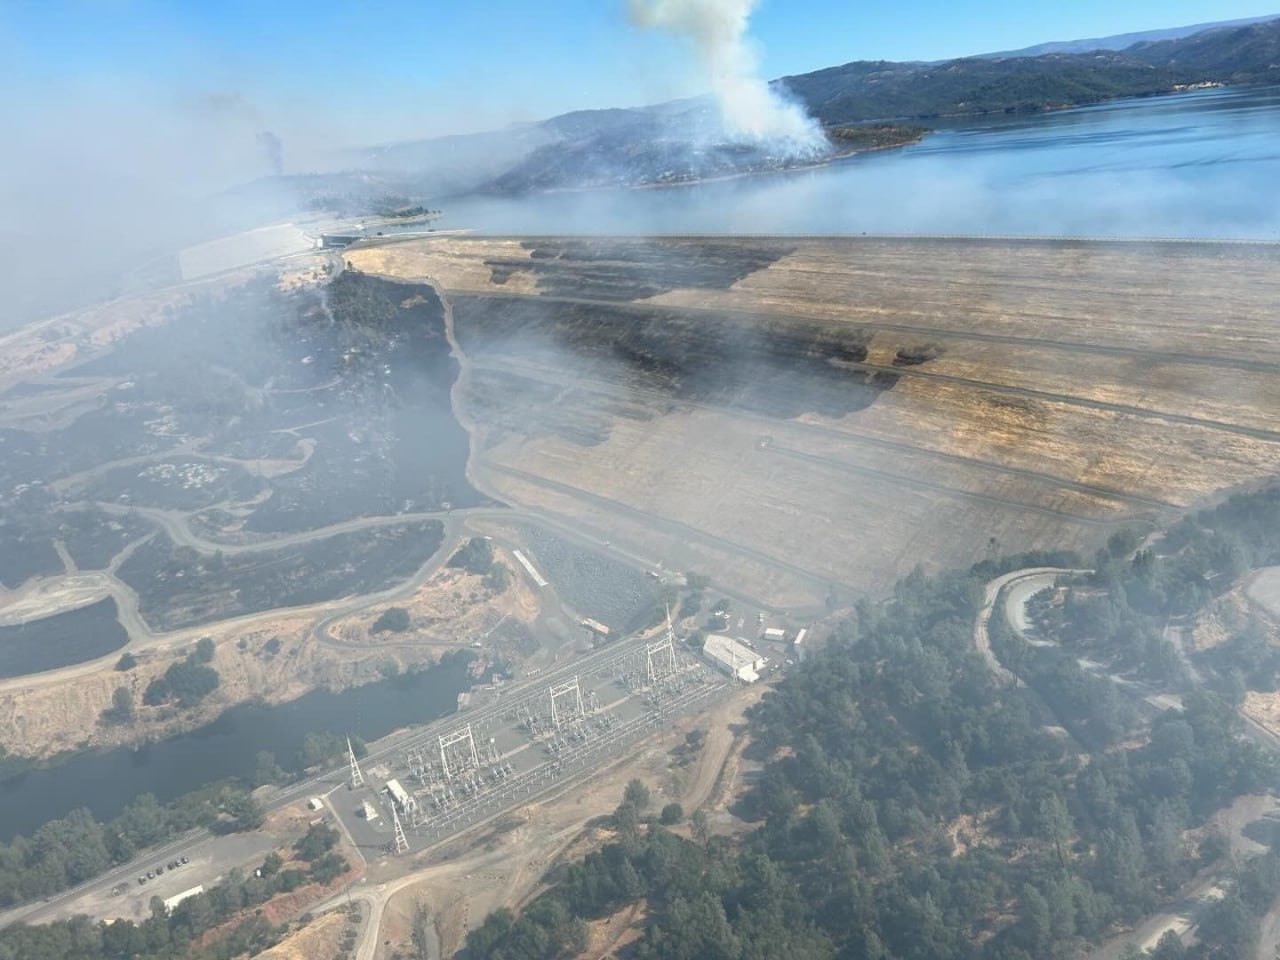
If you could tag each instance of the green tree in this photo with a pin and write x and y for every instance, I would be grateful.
(318, 841)
(205, 650)
(266, 769)
(474, 556)
(1168, 947)
(700, 826)
(1056, 825)
(672, 814)
(121, 709)
(393, 619)
(636, 795)
(327, 868)
(498, 579)
(697, 582)
(126, 662)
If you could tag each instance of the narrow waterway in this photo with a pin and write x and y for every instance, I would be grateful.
(106, 781)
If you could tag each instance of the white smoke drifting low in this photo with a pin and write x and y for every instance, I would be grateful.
(752, 111)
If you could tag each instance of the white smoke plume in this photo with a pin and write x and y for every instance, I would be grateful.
(751, 110)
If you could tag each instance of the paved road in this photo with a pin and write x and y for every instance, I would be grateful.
(982, 622)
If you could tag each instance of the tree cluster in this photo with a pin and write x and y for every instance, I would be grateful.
(913, 808)
(77, 848)
(170, 936)
(474, 556)
(1119, 613)
(392, 620)
(188, 681)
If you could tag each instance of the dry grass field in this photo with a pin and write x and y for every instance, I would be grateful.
(798, 415)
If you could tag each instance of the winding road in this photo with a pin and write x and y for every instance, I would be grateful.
(1182, 916)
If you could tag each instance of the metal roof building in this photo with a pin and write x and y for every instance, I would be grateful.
(733, 657)
(177, 898)
(399, 795)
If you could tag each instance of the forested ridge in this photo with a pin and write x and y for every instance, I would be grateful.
(1119, 612)
(879, 90)
(914, 808)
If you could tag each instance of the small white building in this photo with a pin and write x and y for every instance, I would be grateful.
(315, 804)
(368, 811)
(797, 645)
(172, 902)
(733, 657)
(774, 634)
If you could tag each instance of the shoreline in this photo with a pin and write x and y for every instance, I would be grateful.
(807, 166)
(798, 168)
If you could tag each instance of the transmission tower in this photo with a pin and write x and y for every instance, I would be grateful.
(460, 746)
(357, 778)
(402, 842)
(660, 660)
(560, 715)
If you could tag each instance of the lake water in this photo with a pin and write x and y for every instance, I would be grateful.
(106, 781)
(1200, 164)
(61, 640)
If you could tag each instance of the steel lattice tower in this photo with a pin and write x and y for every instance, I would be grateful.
(402, 842)
(357, 778)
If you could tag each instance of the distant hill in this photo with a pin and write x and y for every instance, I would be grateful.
(878, 90)
(667, 143)
(1122, 41)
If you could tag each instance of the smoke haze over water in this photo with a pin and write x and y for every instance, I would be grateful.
(752, 111)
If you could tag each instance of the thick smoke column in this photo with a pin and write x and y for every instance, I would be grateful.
(274, 149)
(752, 111)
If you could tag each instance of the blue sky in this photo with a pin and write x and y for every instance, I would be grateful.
(356, 72)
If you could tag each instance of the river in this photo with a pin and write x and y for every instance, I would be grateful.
(106, 781)
(1197, 164)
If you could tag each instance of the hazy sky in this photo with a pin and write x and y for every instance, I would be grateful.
(356, 73)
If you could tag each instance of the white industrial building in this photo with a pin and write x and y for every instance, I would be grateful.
(177, 898)
(797, 645)
(733, 657)
(400, 795)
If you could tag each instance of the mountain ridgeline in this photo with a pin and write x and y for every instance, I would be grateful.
(862, 105)
(875, 90)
